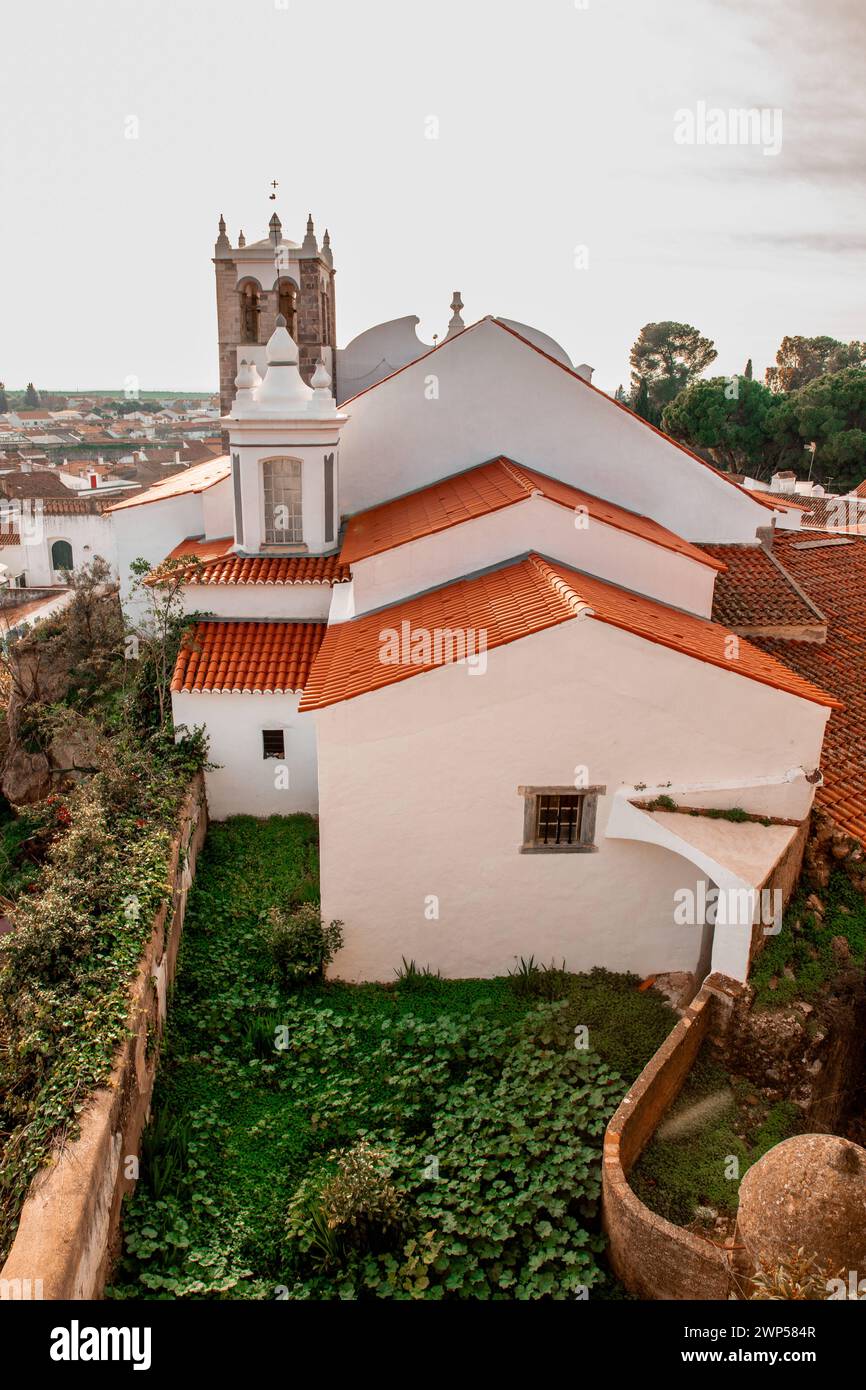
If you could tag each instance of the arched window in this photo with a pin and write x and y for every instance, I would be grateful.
(288, 306)
(61, 555)
(249, 313)
(284, 523)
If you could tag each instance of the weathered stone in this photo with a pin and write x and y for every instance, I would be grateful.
(808, 1192)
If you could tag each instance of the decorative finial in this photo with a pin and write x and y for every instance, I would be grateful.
(310, 245)
(456, 324)
(242, 241)
(276, 230)
(274, 186)
(323, 404)
(327, 254)
(222, 243)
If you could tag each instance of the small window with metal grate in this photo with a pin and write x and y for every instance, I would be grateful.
(273, 743)
(559, 819)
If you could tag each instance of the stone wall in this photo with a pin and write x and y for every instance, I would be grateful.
(653, 1258)
(69, 1233)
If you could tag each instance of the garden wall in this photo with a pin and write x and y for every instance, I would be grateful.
(652, 1257)
(69, 1231)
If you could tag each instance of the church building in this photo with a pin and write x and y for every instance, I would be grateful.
(464, 607)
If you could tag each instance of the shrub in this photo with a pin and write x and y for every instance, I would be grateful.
(300, 944)
(797, 1279)
(360, 1202)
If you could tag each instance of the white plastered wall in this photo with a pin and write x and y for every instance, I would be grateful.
(496, 395)
(418, 801)
(246, 783)
(536, 524)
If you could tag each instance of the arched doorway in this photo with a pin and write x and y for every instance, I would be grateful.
(61, 555)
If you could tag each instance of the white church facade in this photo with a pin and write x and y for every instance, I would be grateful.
(465, 618)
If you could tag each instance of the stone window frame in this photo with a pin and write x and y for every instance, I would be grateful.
(585, 844)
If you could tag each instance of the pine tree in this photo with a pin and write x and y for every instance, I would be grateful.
(748, 372)
(4, 400)
(31, 395)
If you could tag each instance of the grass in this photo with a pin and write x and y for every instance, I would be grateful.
(238, 1130)
(804, 948)
(715, 1130)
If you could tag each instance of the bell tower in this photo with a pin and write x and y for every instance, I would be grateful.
(258, 281)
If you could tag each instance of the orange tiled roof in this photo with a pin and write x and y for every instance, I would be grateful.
(195, 479)
(514, 601)
(485, 489)
(756, 591)
(776, 499)
(834, 576)
(222, 567)
(247, 658)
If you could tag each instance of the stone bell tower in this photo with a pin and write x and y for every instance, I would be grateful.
(257, 281)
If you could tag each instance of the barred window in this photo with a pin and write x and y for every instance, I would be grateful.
(283, 514)
(273, 743)
(559, 819)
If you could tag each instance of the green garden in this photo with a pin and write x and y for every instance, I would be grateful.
(427, 1139)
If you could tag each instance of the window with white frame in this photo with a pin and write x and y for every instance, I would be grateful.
(559, 820)
(281, 480)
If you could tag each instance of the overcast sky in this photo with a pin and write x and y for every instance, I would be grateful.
(556, 132)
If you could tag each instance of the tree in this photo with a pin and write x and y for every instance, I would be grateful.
(642, 405)
(4, 400)
(831, 410)
(732, 418)
(668, 357)
(801, 360)
(154, 641)
(31, 395)
(748, 372)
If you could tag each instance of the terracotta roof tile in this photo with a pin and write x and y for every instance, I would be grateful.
(249, 658)
(485, 489)
(778, 499)
(514, 601)
(195, 479)
(757, 592)
(831, 513)
(834, 576)
(222, 567)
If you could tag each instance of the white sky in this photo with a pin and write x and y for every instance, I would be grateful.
(556, 131)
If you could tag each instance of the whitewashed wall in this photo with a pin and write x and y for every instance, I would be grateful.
(418, 797)
(498, 396)
(237, 602)
(244, 783)
(536, 524)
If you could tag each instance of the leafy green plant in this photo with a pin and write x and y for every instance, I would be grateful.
(301, 945)
(531, 981)
(409, 974)
(490, 1118)
(360, 1203)
(165, 1153)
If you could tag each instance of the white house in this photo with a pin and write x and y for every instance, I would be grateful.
(465, 617)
